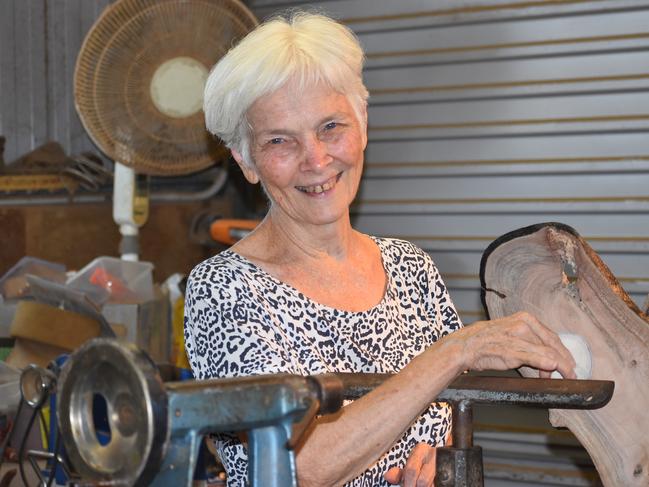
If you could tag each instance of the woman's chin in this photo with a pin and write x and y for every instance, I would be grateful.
(327, 217)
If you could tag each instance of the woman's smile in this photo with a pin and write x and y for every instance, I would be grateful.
(317, 189)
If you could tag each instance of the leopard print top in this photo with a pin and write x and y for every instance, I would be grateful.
(239, 321)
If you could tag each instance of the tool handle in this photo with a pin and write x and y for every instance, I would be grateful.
(228, 230)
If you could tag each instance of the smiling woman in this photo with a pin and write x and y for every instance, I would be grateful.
(305, 293)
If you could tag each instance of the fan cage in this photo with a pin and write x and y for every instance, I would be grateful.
(116, 64)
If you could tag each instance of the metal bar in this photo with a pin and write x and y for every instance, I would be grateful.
(462, 424)
(271, 463)
(179, 461)
(215, 186)
(545, 393)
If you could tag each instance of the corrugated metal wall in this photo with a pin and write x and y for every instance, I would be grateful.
(486, 116)
(39, 43)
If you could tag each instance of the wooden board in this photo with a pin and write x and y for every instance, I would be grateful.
(550, 271)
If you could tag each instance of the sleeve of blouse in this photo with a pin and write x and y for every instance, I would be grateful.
(439, 304)
(228, 333)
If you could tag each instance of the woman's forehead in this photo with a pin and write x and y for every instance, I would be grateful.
(310, 105)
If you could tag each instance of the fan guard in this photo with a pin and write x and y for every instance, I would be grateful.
(139, 79)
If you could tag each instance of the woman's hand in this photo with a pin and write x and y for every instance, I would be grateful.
(513, 341)
(419, 470)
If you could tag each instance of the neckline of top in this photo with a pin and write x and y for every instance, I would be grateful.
(313, 302)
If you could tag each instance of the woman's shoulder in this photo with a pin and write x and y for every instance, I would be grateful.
(223, 262)
(224, 270)
(396, 247)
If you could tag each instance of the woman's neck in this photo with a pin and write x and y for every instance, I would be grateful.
(279, 242)
(333, 265)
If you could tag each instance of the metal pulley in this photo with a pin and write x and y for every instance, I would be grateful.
(122, 379)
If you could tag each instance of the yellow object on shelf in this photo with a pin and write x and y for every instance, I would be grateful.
(178, 355)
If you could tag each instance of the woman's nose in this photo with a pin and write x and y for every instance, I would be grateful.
(316, 153)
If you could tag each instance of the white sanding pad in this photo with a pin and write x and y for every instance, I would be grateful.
(580, 351)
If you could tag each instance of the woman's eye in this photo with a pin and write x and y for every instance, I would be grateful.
(276, 140)
(331, 125)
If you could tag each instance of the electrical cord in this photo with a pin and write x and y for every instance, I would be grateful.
(38, 410)
(23, 444)
(55, 453)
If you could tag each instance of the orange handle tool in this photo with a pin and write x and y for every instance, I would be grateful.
(228, 231)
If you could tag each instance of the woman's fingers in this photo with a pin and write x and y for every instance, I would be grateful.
(419, 470)
(420, 467)
(393, 476)
(546, 335)
(414, 464)
(428, 469)
(565, 362)
(545, 358)
(516, 340)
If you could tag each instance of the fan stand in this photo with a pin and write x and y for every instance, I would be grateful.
(130, 208)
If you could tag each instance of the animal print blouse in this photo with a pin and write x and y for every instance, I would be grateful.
(239, 321)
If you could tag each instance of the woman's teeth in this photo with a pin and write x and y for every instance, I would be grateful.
(319, 188)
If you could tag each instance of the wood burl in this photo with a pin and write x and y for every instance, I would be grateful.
(551, 272)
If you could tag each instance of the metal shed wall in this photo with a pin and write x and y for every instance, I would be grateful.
(39, 44)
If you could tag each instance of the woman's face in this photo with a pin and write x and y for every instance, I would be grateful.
(307, 149)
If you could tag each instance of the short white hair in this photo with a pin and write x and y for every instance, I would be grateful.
(305, 49)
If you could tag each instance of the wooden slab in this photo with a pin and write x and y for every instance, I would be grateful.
(550, 271)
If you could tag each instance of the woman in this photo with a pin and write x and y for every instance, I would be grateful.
(305, 293)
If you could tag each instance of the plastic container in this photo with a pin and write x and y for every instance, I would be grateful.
(113, 280)
(14, 285)
(9, 388)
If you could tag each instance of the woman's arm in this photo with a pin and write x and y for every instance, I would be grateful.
(339, 448)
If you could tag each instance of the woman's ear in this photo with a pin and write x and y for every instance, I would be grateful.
(249, 172)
